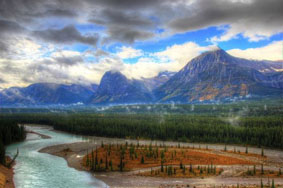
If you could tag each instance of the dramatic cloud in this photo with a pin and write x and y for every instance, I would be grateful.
(71, 41)
(66, 35)
(63, 58)
(180, 54)
(8, 27)
(255, 19)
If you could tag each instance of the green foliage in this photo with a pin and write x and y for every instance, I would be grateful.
(205, 124)
(10, 132)
(142, 160)
(272, 185)
(262, 170)
(262, 152)
(254, 172)
(181, 165)
(2, 153)
(162, 168)
(111, 165)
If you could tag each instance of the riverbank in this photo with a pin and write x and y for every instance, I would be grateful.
(6, 175)
(232, 175)
(41, 135)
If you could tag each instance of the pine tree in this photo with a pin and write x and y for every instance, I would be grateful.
(142, 160)
(92, 161)
(254, 173)
(111, 166)
(272, 185)
(2, 153)
(261, 183)
(262, 171)
(247, 150)
(262, 152)
(181, 165)
(87, 159)
(121, 164)
(162, 168)
(279, 172)
(106, 162)
(96, 157)
(166, 168)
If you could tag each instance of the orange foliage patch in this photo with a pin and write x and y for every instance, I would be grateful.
(152, 157)
(181, 173)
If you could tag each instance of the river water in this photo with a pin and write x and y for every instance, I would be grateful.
(35, 170)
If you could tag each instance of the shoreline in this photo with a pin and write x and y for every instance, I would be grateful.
(9, 175)
(43, 136)
(73, 153)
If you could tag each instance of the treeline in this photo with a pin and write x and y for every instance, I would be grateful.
(9, 132)
(260, 131)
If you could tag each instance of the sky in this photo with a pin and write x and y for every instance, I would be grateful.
(77, 41)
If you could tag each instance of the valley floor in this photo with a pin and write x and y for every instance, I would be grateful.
(231, 175)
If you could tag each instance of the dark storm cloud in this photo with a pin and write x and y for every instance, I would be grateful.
(114, 17)
(63, 61)
(124, 26)
(2, 80)
(67, 35)
(205, 13)
(100, 53)
(9, 27)
(26, 11)
(3, 48)
(127, 35)
(137, 20)
(58, 13)
(127, 4)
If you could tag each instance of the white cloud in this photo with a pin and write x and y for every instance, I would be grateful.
(173, 58)
(65, 53)
(272, 52)
(251, 30)
(180, 54)
(129, 52)
(69, 66)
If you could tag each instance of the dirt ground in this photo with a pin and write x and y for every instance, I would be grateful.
(9, 174)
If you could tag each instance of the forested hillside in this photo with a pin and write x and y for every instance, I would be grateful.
(253, 126)
(9, 132)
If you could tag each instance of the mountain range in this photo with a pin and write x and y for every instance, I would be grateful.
(212, 76)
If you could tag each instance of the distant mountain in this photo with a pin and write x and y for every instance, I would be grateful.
(155, 82)
(212, 76)
(46, 94)
(117, 89)
(216, 75)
